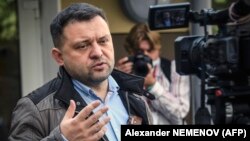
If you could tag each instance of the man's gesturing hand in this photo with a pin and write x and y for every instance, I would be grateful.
(83, 126)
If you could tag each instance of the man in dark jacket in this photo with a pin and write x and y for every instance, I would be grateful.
(88, 100)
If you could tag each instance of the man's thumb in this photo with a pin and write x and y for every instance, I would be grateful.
(71, 110)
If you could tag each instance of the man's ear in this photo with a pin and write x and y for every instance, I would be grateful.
(57, 55)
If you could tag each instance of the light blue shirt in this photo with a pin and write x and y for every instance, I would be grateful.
(117, 112)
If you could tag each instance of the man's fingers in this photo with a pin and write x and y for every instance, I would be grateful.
(95, 117)
(85, 112)
(126, 67)
(122, 61)
(99, 125)
(99, 134)
(71, 110)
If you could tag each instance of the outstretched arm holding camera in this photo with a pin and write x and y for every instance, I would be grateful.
(171, 91)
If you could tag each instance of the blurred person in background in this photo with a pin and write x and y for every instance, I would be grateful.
(171, 91)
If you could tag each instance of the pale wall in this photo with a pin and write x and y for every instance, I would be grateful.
(117, 20)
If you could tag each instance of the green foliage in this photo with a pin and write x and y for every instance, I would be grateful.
(8, 18)
(221, 1)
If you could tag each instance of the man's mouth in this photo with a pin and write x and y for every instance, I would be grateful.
(99, 65)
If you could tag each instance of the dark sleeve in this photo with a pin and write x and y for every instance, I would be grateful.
(27, 125)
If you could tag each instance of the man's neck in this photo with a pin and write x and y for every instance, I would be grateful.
(101, 89)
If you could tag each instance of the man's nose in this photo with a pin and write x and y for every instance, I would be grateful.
(96, 51)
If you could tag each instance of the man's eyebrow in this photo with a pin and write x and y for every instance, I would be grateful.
(105, 36)
(84, 41)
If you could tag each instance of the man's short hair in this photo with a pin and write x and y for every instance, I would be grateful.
(74, 12)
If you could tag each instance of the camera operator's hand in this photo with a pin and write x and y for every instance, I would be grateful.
(124, 65)
(149, 78)
(84, 126)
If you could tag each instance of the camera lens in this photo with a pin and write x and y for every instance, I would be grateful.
(141, 68)
(141, 62)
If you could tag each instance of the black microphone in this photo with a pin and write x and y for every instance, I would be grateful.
(236, 11)
(212, 17)
(239, 9)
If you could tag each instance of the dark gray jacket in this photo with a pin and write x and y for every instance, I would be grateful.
(37, 116)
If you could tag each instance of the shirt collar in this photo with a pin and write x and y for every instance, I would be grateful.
(156, 62)
(113, 86)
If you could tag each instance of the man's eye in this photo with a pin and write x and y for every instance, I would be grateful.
(82, 46)
(103, 41)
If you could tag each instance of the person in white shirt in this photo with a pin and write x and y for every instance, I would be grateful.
(171, 91)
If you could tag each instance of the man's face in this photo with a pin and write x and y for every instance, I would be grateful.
(145, 48)
(87, 50)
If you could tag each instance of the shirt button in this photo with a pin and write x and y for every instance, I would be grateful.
(78, 103)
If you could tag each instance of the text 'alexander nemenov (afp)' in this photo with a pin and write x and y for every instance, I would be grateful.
(197, 131)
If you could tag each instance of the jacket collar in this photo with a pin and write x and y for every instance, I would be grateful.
(66, 91)
(128, 82)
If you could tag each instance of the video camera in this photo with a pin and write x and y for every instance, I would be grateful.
(221, 61)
